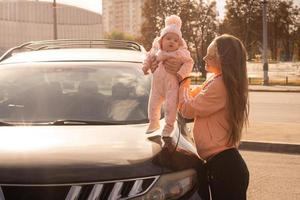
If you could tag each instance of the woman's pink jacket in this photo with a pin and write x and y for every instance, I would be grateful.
(209, 110)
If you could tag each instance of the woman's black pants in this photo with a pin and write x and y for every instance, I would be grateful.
(225, 176)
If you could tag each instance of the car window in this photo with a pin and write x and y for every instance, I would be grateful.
(86, 91)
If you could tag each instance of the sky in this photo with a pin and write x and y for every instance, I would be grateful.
(92, 5)
(96, 5)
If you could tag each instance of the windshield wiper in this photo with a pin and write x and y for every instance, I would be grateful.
(81, 122)
(5, 124)
(61, 122)
(84, 122)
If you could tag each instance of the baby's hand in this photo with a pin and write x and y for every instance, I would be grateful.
(145, 72)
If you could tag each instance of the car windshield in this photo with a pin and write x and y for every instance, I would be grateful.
(45, 92)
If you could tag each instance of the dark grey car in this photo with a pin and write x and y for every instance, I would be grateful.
(73, 121)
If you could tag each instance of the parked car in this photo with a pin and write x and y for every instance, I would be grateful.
(73, 116)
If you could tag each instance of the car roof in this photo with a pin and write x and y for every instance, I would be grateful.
(74, 50)
(80, 54)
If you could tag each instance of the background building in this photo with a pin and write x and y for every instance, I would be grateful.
(122, 16)
(22, 21)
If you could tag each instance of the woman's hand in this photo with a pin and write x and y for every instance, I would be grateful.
(172, 65)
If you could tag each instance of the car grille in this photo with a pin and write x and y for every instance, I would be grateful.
(111, 190)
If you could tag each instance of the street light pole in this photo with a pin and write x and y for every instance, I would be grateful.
(54, 20)
(265, 44)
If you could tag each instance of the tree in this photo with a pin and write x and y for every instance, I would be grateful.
(153, 21)
(116, 35)
(282, 23)
(244, 20)
(296, 35)
(200, 28)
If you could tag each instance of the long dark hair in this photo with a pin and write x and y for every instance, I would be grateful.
(232, 56)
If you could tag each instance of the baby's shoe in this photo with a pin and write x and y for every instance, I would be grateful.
(153, 126)
(167, 130)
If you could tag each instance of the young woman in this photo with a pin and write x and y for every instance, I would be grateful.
(220, 109)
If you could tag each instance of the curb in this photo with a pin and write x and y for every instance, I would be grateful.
(270, 90)
(275, 147)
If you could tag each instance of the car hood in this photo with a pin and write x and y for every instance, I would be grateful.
(64, 154)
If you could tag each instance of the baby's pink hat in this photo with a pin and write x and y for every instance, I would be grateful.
(172, 25)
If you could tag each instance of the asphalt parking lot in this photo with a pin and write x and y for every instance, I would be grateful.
(273, 176)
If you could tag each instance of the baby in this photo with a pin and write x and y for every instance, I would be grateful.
(169, 44)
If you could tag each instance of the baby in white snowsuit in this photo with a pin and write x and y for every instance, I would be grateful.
(169, 44)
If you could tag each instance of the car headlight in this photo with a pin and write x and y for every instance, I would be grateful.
(171, 186)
